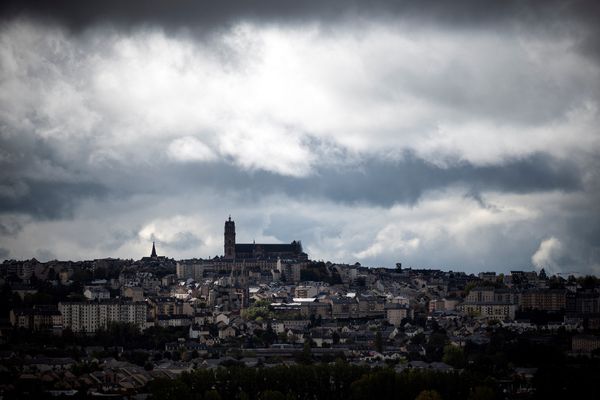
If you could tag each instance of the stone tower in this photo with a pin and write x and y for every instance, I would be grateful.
(229, 239)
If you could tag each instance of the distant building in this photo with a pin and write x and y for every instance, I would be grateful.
(343, 307)
(490, 303)
(585, 343)
(487, 276)
(36, 318)
(546, 300)
(154, 257)
(190, 270)
(436, 305)
(395, 313)
(135, 293)
(96, 293)
(90, 317)
(241, 251)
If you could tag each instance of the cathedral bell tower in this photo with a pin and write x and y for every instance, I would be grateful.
(229, 239)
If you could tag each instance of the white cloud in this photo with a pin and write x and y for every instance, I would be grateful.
(548, 256)
(259, 94)
(107, 103)
(189, 148)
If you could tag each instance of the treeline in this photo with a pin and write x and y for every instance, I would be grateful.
(339, 381)
(317, 271)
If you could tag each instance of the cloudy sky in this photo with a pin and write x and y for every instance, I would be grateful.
(460, 135)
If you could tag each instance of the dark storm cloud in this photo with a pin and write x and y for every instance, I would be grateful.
(50, 200)
(212, 14)
(88, 165)
(372, 181)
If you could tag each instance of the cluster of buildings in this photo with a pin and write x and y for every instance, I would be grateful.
(272, 298)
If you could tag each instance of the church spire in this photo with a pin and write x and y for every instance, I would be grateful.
(153, 255)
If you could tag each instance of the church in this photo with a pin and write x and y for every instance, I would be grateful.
(256, 251)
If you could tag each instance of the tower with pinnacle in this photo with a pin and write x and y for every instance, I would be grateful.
(229, 251)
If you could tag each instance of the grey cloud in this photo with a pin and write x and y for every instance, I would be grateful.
(190, 12)
(51, 199)
(579, 17)
(57, 178)
(384, 183)
(184, 241)
(39, 181)
(44, 255)
(4, 253)
(370, 181)
(116, 238)
(10, 226)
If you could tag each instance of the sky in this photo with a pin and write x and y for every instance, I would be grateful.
(458, 135)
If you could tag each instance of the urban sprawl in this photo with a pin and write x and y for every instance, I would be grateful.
(113, 327)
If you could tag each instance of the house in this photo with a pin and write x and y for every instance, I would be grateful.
(222, 317)
(227, 332)
(96, 293)
(395, 313)
(343, 307)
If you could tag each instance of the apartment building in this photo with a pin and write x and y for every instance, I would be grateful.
(89, 317)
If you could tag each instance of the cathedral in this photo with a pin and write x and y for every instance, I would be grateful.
(256, 251)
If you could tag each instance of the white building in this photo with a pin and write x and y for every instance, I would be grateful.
(96, 293)
(90, 317)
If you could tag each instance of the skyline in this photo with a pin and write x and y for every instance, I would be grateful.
(461, 136)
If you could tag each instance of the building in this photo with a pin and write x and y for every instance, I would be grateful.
(306, 291)
(165, 306)
(545, 300)
(370, 306)
(490, 303)
(583, 302)
(395, 313)
(190, 270)
(436, 305)
(154, 257)
(585, 343)
(315, 309)
(343, 307)
(90, 317)
(250, 251)
(135, 293)
(37, 318)
(96, 293)
(487, 276)
(497, 311)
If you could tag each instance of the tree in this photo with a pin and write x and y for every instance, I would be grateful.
(435, 345)
(454, 356)
(429, 395)
(482, 393)
(378, 342)
(170, 389)
(306, 357)
(272, 395)
(212, 395)
(335, 337)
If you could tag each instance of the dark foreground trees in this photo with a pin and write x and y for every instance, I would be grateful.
(338, 381)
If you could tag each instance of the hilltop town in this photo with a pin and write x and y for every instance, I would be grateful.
(113, 326)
